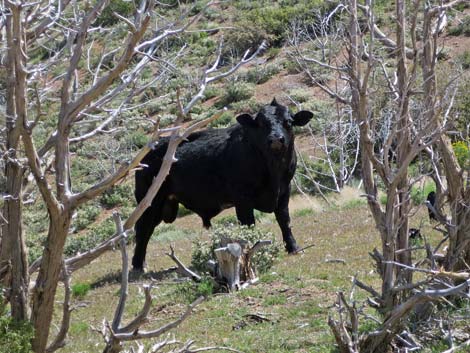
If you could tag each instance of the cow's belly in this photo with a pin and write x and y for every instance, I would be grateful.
(266, 205)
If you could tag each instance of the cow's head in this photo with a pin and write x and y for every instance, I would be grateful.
(272, 126)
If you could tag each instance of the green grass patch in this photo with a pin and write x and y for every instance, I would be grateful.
(275, 299)
(80, 290)
(354, 204)
(303, 212)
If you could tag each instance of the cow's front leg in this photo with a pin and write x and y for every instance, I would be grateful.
(283, 219)
(143, 231)
(245, 215)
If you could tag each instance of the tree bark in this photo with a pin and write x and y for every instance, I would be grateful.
(48, 277)
(13, 247)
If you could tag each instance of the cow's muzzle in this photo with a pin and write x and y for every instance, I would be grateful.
(277, 143)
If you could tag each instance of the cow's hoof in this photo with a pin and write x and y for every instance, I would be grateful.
(293, 249)
(136, 273)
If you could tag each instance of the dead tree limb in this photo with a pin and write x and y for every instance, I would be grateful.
(182, 269)
(114, 334)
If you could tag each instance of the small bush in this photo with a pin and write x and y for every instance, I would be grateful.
(136, 139)
(462, 153)
(211, 92)
(250, 106)
(418, 195)
(299, 95)
(261, 74)
(317, 170)
(303, 212)
(228, 220)
(262, 260)
(183, 211)
(383, 199)
(190, 291)
(85, 216)
(246, 36)
(97, 234)
(462, 28)
(14, 336)
(225, 119)
(123, 8)
(235, 92)
(118, 195)
(464, 60)
(79, 290)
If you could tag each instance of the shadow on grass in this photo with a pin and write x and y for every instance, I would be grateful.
(115, 277)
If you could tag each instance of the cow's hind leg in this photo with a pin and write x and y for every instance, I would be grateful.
(170, 210)
(143, 231)
(245, 215)
(283, 219)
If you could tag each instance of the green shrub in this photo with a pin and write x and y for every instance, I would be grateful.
(85, 216)
(383, 199)
(121, 7)
(299, 95)
(225, 119)
(118, 195)
(317, 170)
(79, 290)
(464, 59)
(236, 91)
(211, 92)
(245, 36)
(462, 153)
(275, 19)
(261, 74)
(183, 211)
(418, 195)
(228, 220)
(250, 106)
(83, 242)
(136, 139)
(190, 291)
(14, 336)
(263, 259)
(462, 28)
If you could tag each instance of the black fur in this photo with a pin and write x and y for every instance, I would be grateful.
(414, 233)
(247, 166)
(431, 198)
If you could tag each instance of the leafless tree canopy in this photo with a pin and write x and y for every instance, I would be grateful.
(390, 87)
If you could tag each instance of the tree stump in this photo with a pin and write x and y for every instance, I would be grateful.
(234, 265)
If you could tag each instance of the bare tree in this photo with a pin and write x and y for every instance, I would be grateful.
(338, 145)
(369, 61)
(92, 98)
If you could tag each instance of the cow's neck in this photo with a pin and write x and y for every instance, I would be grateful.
(278, 168)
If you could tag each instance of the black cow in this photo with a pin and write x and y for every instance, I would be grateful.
(248, 165)
(431, 199)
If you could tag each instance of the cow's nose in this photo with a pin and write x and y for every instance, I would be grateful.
(277, 142)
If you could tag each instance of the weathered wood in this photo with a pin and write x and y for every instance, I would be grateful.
(235, 265)
(229, 264)
(182, 269)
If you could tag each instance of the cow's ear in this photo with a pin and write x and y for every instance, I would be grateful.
(302, 118)
(247, 120)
